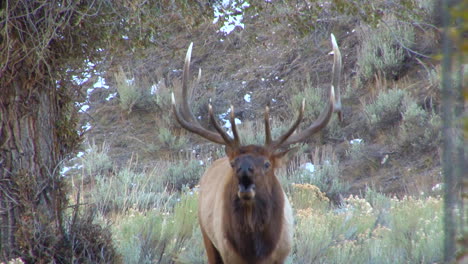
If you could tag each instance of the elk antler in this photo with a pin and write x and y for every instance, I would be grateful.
(334, 105)
(188, 121)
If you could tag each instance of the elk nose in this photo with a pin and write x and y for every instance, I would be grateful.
(245, 169)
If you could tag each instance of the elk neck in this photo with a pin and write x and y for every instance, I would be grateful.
(254, 228)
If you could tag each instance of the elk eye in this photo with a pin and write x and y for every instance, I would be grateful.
(267, 164)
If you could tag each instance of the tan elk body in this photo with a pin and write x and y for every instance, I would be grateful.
(245, 216)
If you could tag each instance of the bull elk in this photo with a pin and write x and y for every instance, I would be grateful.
(244, 214)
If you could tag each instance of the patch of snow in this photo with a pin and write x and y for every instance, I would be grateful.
(86, 127)
(83, 108)
(384, 159)
(308, 166)
(355, 141)
(437, 187)
(247, 98)
(81, 80)
(231, 13)
(154, 88)
(124, 37)
(224, 115)
(80, 154)
(100, 83)
(112, 95)
(65, 169)
(273, 100)
(201, 162)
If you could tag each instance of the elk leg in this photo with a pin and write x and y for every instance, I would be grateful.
(213, 254)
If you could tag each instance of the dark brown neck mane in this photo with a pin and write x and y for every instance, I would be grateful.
(253, 230)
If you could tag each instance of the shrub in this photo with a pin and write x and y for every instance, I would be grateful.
(156, 236)
(142, 96)
(306, 196)
(356, 150)
(372, 230)
(326, 176)
(382, 48)
(182, 174)
(419, 130)
(315, 102)
(169, 140)
(194, 251)
(387, 108)
(128, 92)
(96, 161)
(90, 241)
(128, 189)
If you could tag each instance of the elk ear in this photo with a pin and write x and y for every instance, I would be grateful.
(282, 157)
(230, 152)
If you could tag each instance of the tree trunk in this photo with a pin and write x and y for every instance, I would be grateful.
(31, 190)
(448, 134)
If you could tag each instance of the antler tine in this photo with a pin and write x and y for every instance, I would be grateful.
(235, 133)
(218, 128)
(279, 142)
(185, 109)
(336, 73)
(185, 116)
(267, 126)
(195, 127)
(332, 105)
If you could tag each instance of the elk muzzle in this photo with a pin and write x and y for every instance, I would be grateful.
(246, 193)
(245, 172)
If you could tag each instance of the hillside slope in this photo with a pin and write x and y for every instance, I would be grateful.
(282, 54)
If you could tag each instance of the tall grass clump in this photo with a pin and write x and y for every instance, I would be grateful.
(387, 107)
(157, 235)
(383, 48)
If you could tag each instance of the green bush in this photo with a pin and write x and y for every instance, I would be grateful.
(169, 140)
(315, 102)
(387, 108)
(128, 189)
(128, 92)
(96, 161)
(181, 174)
(372, 230)
(156, 236)
(194, 251)
(382, 48)
(419, 130)
(142, 95)
(326, 176)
